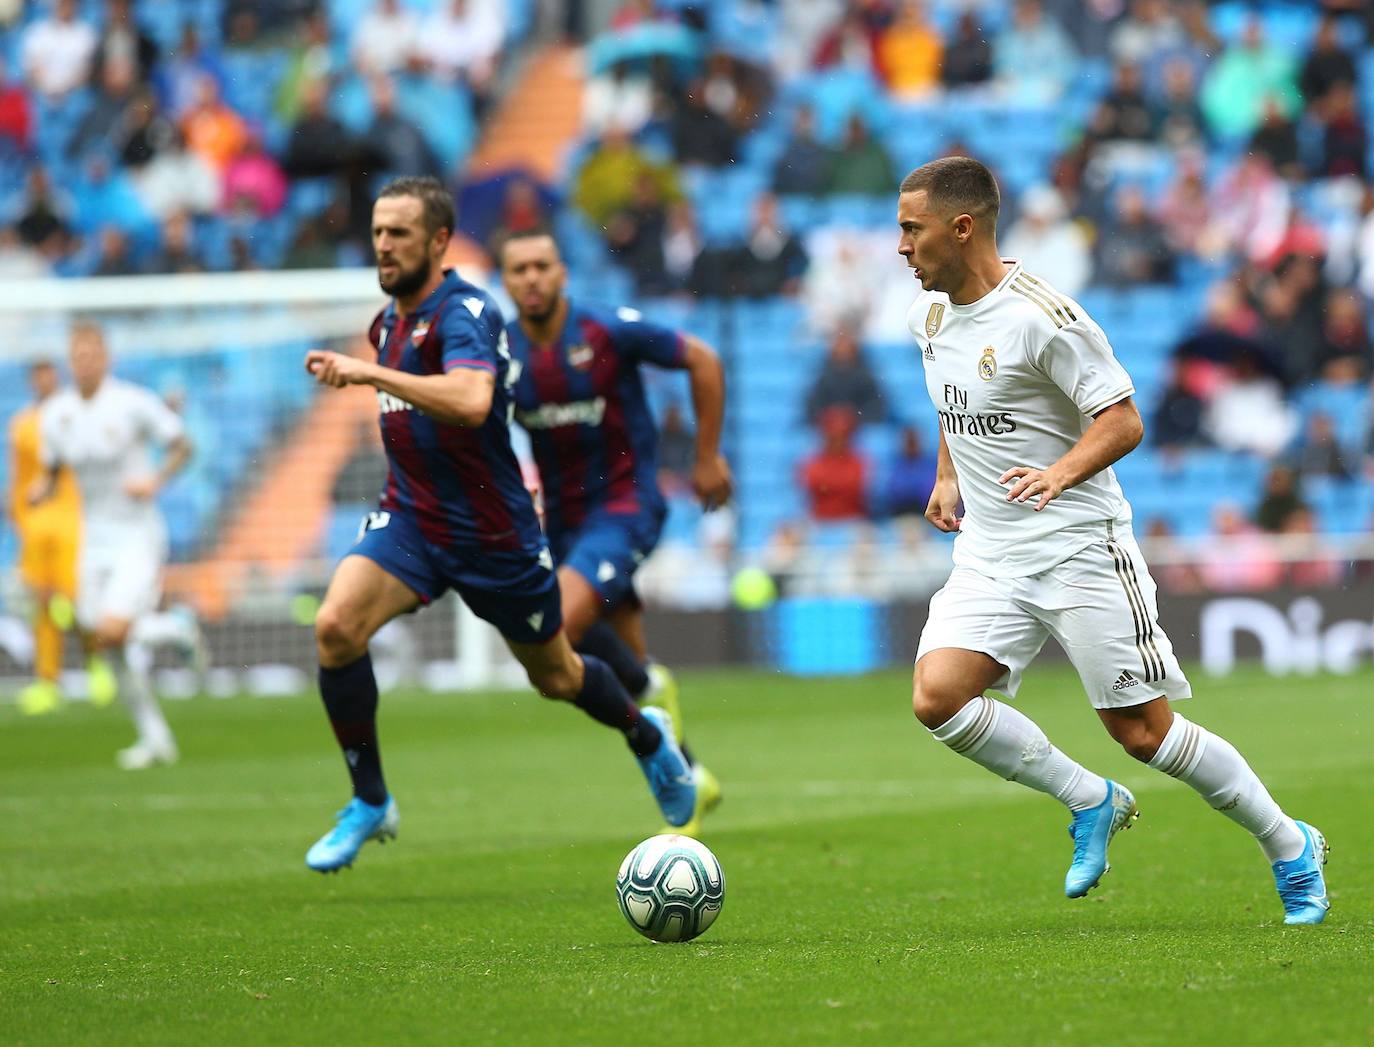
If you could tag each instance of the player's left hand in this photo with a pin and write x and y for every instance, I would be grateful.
(712, 482)
(1033, 483)
(141, 488)
(337, 369)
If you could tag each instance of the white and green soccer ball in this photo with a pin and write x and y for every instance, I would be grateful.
(670, 888)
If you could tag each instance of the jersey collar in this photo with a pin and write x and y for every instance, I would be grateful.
(1014, 267)
(432, 300)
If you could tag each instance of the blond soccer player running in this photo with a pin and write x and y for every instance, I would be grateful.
(1034, 408)
(105, 430)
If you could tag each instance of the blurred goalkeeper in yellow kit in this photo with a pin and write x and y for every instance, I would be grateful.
(49, 539)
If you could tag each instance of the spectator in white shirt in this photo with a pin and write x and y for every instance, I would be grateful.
(619, 97)
(385, 38)
(1048, 243)
(462, 41)
(57, 52)
(1249, 413)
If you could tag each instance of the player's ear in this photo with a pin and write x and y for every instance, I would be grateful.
(440, 240)
(963, 227)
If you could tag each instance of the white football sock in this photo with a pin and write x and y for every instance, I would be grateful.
(137, 696)
(1211, 765)
(1004, 741)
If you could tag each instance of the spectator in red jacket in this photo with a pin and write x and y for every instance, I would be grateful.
(835, 478)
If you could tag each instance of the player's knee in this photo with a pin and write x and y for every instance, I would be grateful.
(932, 699)
(1138, 738)
(559, 684)
(338, 638)
(111, 634)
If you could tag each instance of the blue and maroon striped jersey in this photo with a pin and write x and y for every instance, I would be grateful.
(582, 401)
(461, 484)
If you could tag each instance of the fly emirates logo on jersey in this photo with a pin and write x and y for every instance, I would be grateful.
(957, 420)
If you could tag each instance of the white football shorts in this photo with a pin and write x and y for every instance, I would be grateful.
(120, 579)
(1099, 604)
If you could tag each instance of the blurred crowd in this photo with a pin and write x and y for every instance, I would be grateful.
(223, 147)
(749, 149)
(1208, 151)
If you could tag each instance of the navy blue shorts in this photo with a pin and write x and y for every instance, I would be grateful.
(515, 591)
(607, 550)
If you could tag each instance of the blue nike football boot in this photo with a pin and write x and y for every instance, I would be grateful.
(357, 823)
(1301, 883)
(670, 778)
(1092, 830)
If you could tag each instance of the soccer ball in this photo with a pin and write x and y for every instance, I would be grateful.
(670, 888)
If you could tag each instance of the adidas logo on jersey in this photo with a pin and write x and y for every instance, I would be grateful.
(929, 352)
(1124, 681)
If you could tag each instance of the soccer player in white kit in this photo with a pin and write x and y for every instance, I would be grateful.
(1034, 409)
(105, 430)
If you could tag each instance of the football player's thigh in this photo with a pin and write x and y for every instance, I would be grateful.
(366, 595)
(1109, 627)
(94, 576)
(974, 615)
(133, 587)
(581, 603)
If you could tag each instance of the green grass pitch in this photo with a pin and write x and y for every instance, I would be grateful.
(880, 889)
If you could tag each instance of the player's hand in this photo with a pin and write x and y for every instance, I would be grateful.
(1033, 483)
(943, 504)
(337, 369)
(39, 491)
(141, 488)
(712, 482)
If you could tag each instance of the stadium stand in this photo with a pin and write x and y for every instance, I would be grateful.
(754, 65)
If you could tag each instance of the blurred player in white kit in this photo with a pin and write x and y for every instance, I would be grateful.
(106, 431)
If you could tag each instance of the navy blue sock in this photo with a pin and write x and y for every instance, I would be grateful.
(601, 641)
(603, 698)
(350, 699)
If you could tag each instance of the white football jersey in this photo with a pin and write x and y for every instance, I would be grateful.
(106, 441)
(1016, 378)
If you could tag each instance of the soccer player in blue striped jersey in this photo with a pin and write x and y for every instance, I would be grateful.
(581, 397)
(454, 515)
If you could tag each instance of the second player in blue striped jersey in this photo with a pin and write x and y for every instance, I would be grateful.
(580, 395)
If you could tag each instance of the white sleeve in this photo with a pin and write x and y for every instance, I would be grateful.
(156, 419)
(1079, 360)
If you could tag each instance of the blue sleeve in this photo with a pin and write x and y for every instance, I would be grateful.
(465, 343)
(644, 342)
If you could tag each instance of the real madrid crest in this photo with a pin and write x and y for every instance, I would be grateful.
(933, 318)
(987, 364)
(580, 356)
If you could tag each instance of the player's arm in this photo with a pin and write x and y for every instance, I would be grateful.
(50, 464)
(178, 453)
(711, 479)
(163, 426)
(1115, 432)
(1081, 363)
(944, 496)
(459, 397)
(44, 487)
